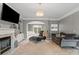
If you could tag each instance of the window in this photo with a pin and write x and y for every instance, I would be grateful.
(54, 27)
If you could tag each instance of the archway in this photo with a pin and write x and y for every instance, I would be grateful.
(34, 27)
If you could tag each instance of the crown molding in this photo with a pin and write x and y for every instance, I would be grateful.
(53, 19)
(69, 13)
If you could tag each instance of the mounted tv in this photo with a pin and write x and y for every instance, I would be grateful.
(8, 14)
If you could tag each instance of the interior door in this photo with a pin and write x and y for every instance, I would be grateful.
(37, 29)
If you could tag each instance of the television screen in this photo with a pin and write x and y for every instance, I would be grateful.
(8, 14)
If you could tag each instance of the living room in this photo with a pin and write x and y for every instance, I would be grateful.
(59, 22)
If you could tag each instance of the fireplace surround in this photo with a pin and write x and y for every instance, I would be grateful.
(5, 44)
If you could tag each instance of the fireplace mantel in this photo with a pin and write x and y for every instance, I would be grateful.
(5, 35)
(6, 32)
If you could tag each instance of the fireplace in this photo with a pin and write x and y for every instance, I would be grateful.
(5, 44)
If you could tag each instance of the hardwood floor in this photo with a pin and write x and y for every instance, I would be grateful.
(46, 47)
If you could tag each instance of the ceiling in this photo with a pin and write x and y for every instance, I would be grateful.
(51, 10)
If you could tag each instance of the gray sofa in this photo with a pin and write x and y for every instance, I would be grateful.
(69, 43)
(69, 40)
(37, 38)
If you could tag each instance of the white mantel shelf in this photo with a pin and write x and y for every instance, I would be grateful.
(5, 35)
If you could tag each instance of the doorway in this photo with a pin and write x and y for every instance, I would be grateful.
(34, 27)
(37, 28)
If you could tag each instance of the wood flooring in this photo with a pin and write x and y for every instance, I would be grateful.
(46, 47)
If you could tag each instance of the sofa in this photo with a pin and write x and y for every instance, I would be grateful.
(38, 38)
(66, 40)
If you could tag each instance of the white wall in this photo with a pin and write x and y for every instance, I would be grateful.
(70, 24)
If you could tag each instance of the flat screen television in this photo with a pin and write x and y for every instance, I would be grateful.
(8, 14)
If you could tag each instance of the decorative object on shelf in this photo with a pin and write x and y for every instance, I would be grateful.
(19, 24)
(13, 26)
